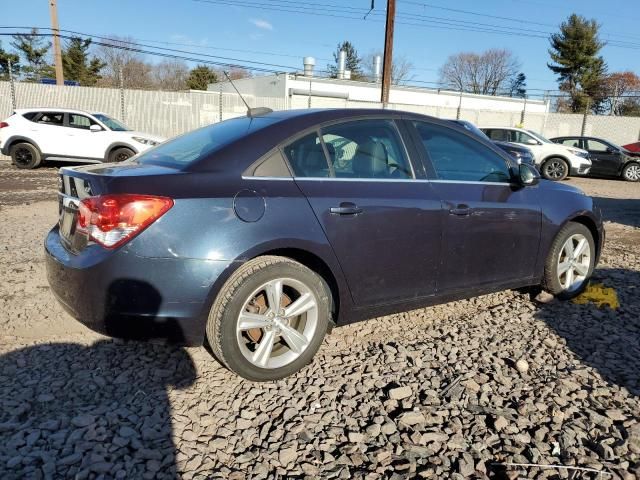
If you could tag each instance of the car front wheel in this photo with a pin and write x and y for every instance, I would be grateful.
(120, 155)
(269, 318)
(555, 169)
(570, 261)
(631, 172)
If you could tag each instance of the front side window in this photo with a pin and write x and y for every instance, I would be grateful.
(366, 149)
(459, 157)
(80, 121)
(521, 137)
(596, 146)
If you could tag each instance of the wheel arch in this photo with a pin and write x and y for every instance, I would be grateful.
(591, 224)
(555, 155)
(11, 141)
(116, 145)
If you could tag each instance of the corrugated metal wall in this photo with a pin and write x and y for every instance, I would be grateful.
(172, 113)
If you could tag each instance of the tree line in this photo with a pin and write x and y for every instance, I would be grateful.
(104, 65)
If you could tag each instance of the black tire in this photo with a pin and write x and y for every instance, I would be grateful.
(631, 172)
(551, 282)
(120, 155)
(223, 317)
(555, 169)
(25, 156)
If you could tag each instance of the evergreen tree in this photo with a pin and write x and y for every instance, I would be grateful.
(352, 62)
(5, 58)
(200, 77)
(34, 49)
(77, 63)
(518, 86)
(581, 71)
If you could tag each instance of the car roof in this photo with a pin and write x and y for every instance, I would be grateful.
(51, 109)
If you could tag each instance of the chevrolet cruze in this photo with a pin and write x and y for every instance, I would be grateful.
(258, 234)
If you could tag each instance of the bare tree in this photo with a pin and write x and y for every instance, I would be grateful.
(486, 73)
(136, 72)
(170, 75)
(619, 85)
(401, 68)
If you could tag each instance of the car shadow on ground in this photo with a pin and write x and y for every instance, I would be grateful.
(68, 410)
(620, 210)
(606, 339)
(74, 411)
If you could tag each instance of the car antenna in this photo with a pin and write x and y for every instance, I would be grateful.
(251, 112)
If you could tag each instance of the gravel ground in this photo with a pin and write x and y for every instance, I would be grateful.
(440, 392)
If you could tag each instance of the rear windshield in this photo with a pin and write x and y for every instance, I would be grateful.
(192, 146)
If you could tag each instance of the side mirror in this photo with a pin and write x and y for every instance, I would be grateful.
(95, 128)
(528, 174)
(531, 141)
(611, 150)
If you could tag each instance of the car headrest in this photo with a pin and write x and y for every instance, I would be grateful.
(315, 163)
(370, 160)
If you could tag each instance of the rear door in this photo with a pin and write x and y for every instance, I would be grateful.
(48, 132)
(491, 226)
(383, 223)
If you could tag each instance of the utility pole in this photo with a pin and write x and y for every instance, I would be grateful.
(388, 52)
(57, 53)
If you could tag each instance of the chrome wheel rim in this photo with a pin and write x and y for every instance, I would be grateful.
(554, 169)
(574, 261)
(23, 156)
(632, 172)
(277, 323)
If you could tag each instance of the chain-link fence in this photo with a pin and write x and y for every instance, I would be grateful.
(172, 113)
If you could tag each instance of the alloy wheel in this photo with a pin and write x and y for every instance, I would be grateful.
(277, 323)
(23, 156)
(632, 172)
(554, 169)
(574, 261)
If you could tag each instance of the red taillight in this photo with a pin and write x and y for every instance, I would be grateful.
(112, 220)
(3, 124)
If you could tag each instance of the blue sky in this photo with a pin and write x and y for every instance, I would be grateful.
(224, 28)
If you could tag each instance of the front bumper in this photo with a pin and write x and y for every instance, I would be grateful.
(120, 294)
(581, 170)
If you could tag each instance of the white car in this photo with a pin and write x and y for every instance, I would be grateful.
(32, 135)
(554, 161)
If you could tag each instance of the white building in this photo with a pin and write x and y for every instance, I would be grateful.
(286, 91)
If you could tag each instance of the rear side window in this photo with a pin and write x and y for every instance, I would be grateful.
(498, 134)
(366, 149)
(458, 157)
(306, 157)
(51, 118)
(30, 115)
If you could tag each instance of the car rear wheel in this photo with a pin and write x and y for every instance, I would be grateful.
(24, 155)
(120, 155)
(570, 262)
(555, 169)
(631, 172)
(269, 318)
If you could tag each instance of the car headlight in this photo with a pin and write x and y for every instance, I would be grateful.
(145, 141)
(579, 153)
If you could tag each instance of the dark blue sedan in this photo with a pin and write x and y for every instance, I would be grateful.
(259, 234)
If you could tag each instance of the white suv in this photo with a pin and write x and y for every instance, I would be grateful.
(554, 161)
(30, 136)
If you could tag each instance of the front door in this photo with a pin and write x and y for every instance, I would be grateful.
(491, 227)
(604, 158)
(382, 223)
(81, 142)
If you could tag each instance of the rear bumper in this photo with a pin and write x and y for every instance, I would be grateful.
(123, 295)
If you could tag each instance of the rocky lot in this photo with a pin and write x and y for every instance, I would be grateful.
(454, 391)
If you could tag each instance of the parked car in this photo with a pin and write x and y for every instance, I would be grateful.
(633, 147)
(259, 234)
(608, 159)
(521, 153)
(31, 136)
(554, 161)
